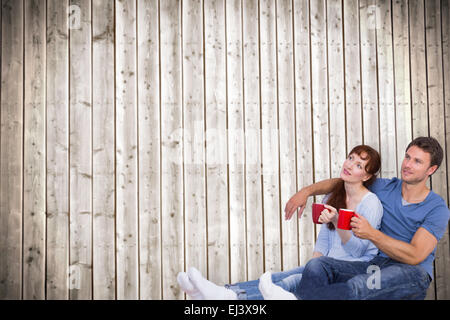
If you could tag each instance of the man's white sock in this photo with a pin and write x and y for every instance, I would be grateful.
(209, 290)
(271, 291)
(188, 287)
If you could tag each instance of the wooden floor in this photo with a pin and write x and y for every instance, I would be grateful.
(139, 138)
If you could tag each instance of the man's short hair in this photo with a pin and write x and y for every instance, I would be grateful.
(431, 146)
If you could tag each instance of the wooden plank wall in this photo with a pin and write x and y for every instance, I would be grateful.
(139, 138)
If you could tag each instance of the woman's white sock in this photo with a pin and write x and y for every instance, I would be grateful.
(209, 290)
(187, 286)
(271, 291)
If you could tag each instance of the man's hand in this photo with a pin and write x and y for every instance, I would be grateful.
(298, 200)
(361, 227)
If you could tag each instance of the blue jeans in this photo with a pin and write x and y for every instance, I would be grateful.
(288, 280)
(331, 279)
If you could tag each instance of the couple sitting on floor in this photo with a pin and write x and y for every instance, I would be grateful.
(396, 230)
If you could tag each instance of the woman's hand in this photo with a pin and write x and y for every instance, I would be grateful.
(298, 200)
(329, 215)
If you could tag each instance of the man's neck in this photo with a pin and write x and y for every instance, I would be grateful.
(415, 193)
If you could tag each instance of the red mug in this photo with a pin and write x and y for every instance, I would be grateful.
(345, 217)
(317, 209)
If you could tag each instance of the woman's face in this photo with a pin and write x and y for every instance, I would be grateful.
(354, 169)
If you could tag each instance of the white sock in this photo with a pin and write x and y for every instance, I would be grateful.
(271, 291)
(209, 290)
(187, 286)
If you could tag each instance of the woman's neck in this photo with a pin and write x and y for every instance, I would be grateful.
(355, 191)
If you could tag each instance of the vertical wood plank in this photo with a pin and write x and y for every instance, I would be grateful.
(418, 69)
(171, 147)
(352, 74)
(127, 146)
(435, 87)
(445, 14)
(194, 136)
(255, 245)
(336, 86)
(103, 184)
(386, 89)
(269, 142)
(303, 120)
(216, 141)
(80, 150)
(149, 150)
(287, 129)
(319, 83)
(368, 16)
(57, 91)
(236, 151)
(34, 152)
(319, 92)
(419, 103)
(402, 78)
(11, 147)
(445, 27)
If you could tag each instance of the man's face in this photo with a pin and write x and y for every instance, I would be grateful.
(416, 165)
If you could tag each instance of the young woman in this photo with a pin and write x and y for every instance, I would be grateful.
(358, 171)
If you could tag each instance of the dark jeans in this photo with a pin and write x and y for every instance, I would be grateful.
(331, 279)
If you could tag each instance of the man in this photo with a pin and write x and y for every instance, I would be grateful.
(414, 220)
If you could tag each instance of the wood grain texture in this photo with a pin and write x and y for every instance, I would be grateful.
(252, 122)
(236, 142)
(435, 87)
(419, 95)
(140, 138)
(386, 93)
(303, 120)
(336, 90)
(368, 25)
(353, 99)
(103, 158)
(194, 136)
(216, 141)
(270, 135)
(171, 148)
(149, 150)
(287, 130)
(400, 29)
(11, 150)
(442, 255)
(34, 218)
(57, 127)
(127, 146)
(80, 150)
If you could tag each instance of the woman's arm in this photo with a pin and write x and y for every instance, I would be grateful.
(299, 199)
(323, 241)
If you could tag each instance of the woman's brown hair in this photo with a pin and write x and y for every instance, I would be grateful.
(338, 196)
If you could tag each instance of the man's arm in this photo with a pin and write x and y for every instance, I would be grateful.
(299, 199)
(420, 247)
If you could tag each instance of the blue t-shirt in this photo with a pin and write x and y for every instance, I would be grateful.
(401, 222)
